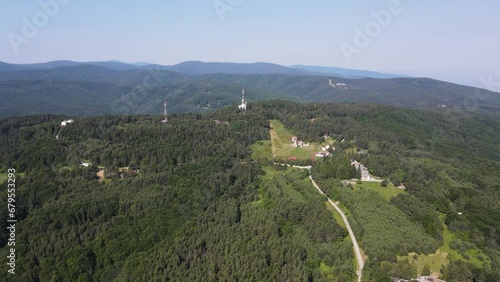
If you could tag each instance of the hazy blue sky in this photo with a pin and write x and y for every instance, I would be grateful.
(452, 40)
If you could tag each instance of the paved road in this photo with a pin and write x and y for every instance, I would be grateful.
(302, 167)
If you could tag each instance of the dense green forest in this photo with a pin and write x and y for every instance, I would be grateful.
(185, 201)
(113, 89)
(449, 163)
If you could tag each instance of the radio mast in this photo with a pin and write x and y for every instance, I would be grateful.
(165, 112)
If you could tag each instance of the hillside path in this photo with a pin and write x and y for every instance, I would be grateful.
(359, 257)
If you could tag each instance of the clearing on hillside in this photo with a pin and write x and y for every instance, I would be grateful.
(445, 253)
(386, 192)
(282, 147)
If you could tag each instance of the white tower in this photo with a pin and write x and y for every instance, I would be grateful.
(332, 85)
(165, 112)
(243, 105)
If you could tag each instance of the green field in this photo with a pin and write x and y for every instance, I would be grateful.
(262, 150)
(444, 254)
(434, 261)
(284, 134)
(386, 192)
(280, 145)
(473, 253)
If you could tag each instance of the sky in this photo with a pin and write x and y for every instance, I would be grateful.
(456, 41)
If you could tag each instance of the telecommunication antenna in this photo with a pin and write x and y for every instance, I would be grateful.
(165, 112)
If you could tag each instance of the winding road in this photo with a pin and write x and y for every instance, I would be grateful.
(359, 257)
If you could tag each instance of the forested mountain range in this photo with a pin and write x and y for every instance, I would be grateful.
(347, 73)
(64, 87)
(197, 68)
(187, 200)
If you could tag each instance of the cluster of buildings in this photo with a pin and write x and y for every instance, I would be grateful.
(365, 174)
(299, 143)
(337, 85)
(324, 151)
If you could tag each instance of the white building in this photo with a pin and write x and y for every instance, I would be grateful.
(337, 85)
(341, 85)
(66, 122)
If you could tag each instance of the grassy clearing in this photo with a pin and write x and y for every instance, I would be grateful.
(281, 131)
(434, 261)
(280, 137)
(262, 150)
(282, 146)
(270, 172)
(474, 253)
(303, 153)
(445, 254)
(386, 192)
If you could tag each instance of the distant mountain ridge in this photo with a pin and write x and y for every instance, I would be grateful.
(90, 89)
(347, 73)
(202, 68)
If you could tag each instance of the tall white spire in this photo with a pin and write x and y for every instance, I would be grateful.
(243, 105)
(165, 112)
